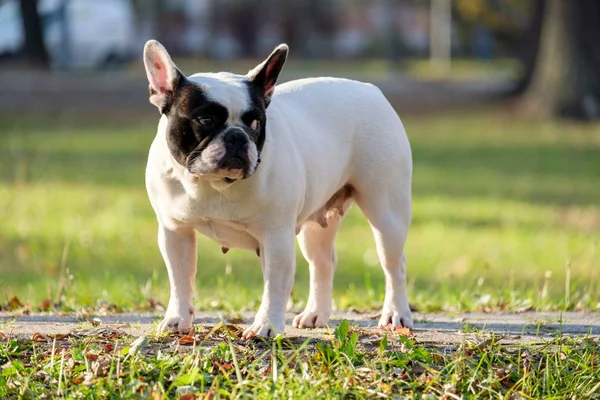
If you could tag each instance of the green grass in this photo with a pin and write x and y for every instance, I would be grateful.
(501, 207)
(506, 215)
(354, 363)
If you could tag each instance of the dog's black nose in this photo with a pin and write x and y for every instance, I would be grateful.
(235, 138)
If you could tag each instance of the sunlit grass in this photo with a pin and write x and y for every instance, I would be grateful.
(501, 206)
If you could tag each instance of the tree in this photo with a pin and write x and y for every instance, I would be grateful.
(35, 49)
(564, 79)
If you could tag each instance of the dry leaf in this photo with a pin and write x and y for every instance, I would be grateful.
(224, 367)
(108, 347)
(58, 336)
(88, 379)
(187, 396)
(77, 380)
(138, 344)
(14, 303)
(235, 320)
(402, 331)
(45, 305)
(38, 337)
(2, 335)
(91, 356)
(184, 340)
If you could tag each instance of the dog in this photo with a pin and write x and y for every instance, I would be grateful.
(252, 165)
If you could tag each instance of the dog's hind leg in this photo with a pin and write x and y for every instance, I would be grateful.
(317, 246)
(389, 213)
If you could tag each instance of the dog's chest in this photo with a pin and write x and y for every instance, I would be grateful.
(228, 234)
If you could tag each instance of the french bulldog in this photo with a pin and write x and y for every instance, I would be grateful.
(252, 165)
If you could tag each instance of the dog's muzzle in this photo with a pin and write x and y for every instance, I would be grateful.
(236, 155)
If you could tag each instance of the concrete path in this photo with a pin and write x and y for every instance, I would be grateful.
(430, 329)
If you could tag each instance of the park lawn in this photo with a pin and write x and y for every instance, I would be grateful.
(506, 215)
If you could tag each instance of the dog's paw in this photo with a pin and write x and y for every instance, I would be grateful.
(311, 319)
(263, 327)
(180, 321)
(396, 319)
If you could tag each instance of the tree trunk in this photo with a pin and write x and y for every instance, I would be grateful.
(530, 46)
(35, 49)
(564, 81)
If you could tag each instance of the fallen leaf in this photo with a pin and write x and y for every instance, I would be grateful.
(91, 356)
(2, 335)
(184, 340)
(58, 336)
(45, 305)
(235, 320)
(38, 337)
(223, 367)
(14, 303)
(77, 380)
(402, 331)
(108, 347)
(88, 379)
(138, 344)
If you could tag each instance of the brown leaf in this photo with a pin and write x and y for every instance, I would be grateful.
(187, 396)
(77, 380)
(14, 303)
(2, 335)
(156, 395)
(108, 347)
(402, 331)
(38, 337)
(235, 320)
(45, 305)
(185, 340)
(58, 336)
(91, 356)
(224, 366)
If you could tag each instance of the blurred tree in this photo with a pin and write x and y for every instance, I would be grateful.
(564, 79)
(35, 49)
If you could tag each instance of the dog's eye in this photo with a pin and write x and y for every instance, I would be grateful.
(255, 125)
(206, 121)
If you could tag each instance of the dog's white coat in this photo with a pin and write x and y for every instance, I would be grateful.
(322, 134)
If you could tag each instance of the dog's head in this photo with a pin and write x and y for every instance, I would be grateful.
(215, 122)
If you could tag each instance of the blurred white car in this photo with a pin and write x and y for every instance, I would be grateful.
(99, 33)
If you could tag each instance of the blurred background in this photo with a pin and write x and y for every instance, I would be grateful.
(500, 100)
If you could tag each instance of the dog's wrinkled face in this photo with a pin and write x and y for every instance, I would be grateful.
(216, 122)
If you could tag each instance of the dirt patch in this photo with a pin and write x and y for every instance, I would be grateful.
(430, 329)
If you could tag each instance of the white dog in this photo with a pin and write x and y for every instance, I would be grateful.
(253, 165)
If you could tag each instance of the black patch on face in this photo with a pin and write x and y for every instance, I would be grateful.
(259, 106)
(187, 136)
(185, 133)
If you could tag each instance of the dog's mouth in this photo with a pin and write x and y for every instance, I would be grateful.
(216, 165)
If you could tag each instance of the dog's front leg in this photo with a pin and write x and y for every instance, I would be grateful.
(178, 248)
(278, 257)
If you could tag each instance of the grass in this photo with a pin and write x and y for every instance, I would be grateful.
(506, 218)
(501, 207)
(354, 363)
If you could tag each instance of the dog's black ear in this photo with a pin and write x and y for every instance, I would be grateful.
(266, 73)
(162, 74)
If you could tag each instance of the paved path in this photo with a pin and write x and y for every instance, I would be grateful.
(430, 329)
(124, 93)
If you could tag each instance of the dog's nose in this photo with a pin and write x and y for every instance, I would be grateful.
(235, 138)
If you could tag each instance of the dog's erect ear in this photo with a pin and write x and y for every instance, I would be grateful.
(266, 73)
(162, 74)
